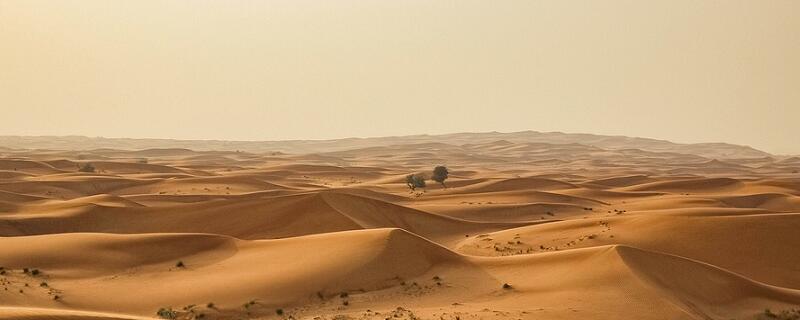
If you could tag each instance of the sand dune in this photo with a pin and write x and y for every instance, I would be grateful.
(770, 201)
(528, 226)
(27, 166)
(286, 216)
(22, 313)
(719, 150)
(756, 238)
(622, 181)
(277, 272)
(622, 279)
(531, 183)
(367, 265)
(696, 185)
(686, 283)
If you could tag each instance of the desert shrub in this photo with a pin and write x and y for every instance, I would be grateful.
(279, 312)
(790, 314)
(414, 181)
(86, 167)
(167, 313)
(769, 314)
(440, 174)
(180, 265)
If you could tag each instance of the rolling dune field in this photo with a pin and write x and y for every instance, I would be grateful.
(526, 227)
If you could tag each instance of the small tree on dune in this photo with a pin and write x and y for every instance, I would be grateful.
(440, 174)
(415, 181)
(86, 167)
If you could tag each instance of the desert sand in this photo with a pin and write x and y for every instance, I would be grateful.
(529, 226)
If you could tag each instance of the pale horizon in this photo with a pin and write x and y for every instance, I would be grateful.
(682, 71)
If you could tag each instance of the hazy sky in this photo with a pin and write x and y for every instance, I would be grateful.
(687, 71)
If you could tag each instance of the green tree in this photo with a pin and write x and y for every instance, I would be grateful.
(415, 181)
(440, 174)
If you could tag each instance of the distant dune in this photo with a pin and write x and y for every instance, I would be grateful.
(494, 140)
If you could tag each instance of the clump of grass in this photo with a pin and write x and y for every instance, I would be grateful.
(180, 264)
(249, 304)
(402, 313)
(86, 167)
(33, 272)
(167, 313)
(279, 312)
(790, 314)
(210, 305)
